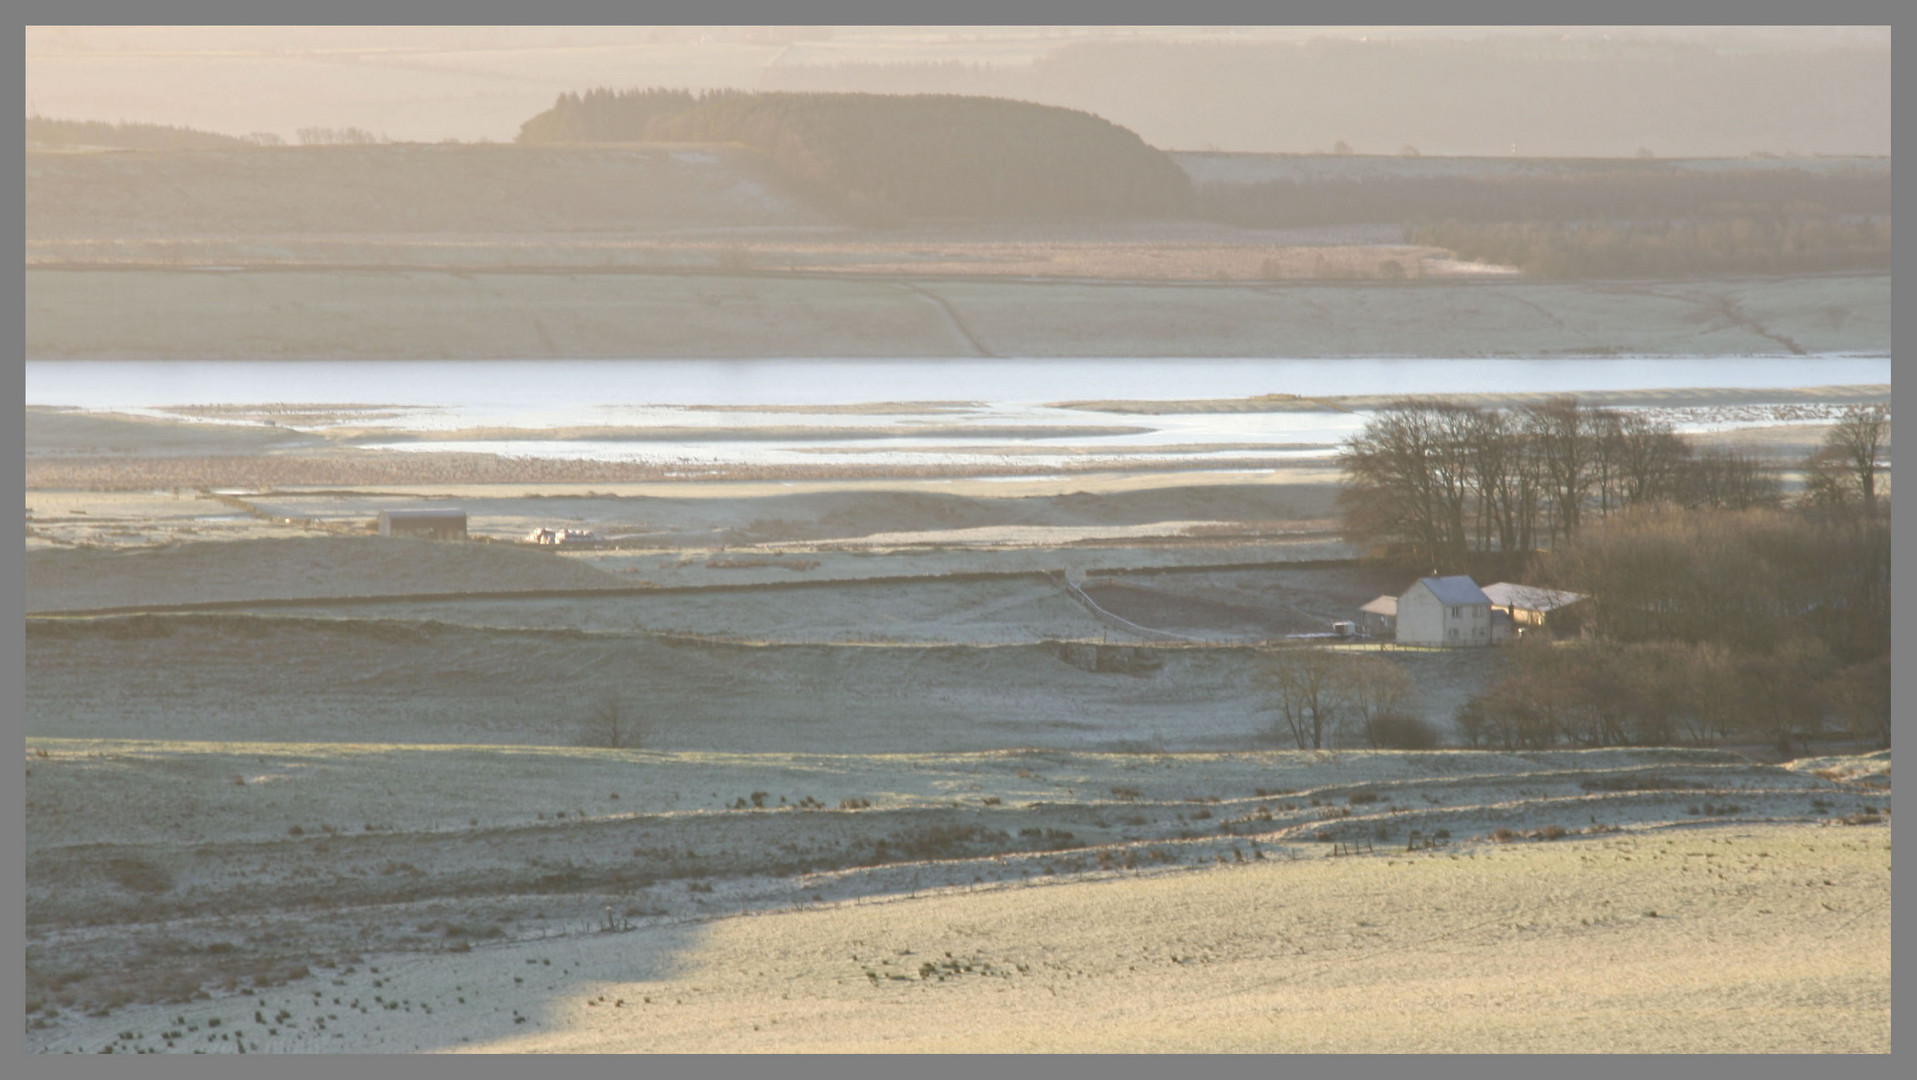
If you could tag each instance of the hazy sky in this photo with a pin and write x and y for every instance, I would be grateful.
(433, 83)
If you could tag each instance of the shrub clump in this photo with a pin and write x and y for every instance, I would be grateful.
(1400, 731)
(139, 875)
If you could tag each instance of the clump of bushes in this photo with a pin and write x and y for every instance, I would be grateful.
(139, 875)
(940, 842)
(1400, 731)
(1715, 809)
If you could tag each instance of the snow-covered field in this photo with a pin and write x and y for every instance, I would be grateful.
(325, 314)
(595, 900)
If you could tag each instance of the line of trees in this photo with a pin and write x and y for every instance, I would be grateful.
(47, 132)
(604, 115)
(1594, 694)
(1768, 623)
(1772, 625)
(346, 136)
(1438, 481)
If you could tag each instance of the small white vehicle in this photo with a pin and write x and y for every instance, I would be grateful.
(561, 537)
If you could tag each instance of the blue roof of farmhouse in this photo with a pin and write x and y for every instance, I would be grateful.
(1456, 590)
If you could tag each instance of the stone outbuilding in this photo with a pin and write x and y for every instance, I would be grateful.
(1379, 618)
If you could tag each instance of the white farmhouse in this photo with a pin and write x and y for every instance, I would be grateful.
(1444, 611)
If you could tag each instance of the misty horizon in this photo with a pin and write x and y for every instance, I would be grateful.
(1441, 91)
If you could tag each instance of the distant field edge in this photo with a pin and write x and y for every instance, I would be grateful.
(225, 267)
(50, 614)
(304, 313)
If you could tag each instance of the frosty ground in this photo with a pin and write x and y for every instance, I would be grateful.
(292, 787)
(576, 900)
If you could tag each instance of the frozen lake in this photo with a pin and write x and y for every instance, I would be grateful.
(941, 411)
(491, 390)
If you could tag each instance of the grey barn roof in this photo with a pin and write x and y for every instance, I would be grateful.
(1530, 597)
(1456, 590)
(1383, 605)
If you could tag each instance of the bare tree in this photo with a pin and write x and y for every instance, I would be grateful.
(1307, 690)
(1827, 481)
(1647, 459)
(1720, 478)
(608, 724)
(1562, 432)
(1857, 441)
(1409, 476)
(1373, 687)
(1502, 479)
(1388, 485)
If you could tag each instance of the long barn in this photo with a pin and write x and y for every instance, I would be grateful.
(435, 524)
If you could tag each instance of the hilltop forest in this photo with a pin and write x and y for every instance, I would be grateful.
(885, 157)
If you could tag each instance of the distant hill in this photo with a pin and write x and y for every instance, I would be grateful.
(1553, 92)
(46, 133)
(885, 156)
